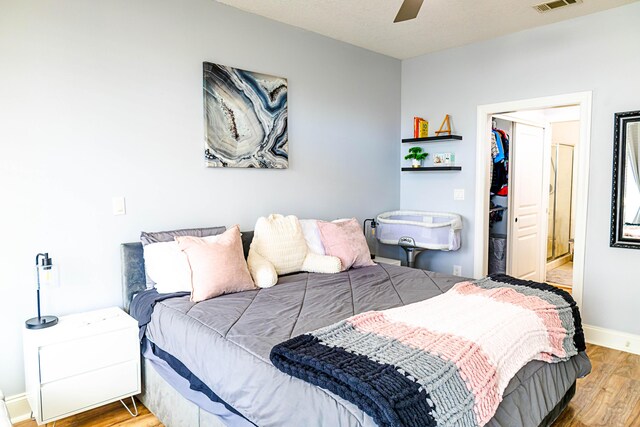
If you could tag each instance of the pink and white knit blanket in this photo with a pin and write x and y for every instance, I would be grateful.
(445, 361)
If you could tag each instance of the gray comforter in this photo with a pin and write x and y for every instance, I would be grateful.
(226, 342)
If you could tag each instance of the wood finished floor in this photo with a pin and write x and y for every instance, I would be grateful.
(608, 397)
(561, 276)
(110, 415)
(563, 287)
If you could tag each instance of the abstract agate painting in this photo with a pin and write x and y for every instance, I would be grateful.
(245, 116)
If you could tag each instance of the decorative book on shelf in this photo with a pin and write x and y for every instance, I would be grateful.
(416, 126)
(423, 131)
(420, 127)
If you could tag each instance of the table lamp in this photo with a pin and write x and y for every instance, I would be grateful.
(46, 276)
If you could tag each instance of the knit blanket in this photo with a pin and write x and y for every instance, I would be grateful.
(445, 361)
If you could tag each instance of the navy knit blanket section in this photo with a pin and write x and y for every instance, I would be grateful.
(379, 389)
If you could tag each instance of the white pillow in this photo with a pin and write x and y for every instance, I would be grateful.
(279, 247)
(168, 266)
(312, 236)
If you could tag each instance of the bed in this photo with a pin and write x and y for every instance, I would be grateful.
(207, 363)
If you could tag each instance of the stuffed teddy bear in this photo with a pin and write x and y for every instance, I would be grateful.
(279, 247)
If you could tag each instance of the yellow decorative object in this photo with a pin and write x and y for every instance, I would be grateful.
(423, 131)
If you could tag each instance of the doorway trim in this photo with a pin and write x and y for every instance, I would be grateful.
(483, 181)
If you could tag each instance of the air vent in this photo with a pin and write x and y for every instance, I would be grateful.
(546, 7)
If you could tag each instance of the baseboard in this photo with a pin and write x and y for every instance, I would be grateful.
(18, 407)
(558, 262)
(612, 339)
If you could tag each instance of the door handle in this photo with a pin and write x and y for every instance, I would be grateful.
(516, 219)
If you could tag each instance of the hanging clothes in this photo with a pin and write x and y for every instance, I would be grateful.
(500, 166)
(500, 178)
(500, 156)
(504, 191)
(505, 145)
(505, 142)
(494, 146)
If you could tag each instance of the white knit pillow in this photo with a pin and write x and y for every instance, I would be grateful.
(279, 247)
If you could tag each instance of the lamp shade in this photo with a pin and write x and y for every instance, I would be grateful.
(48, 275)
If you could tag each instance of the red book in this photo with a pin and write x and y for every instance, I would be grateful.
(416, 126)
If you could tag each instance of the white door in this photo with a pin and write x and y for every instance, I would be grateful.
(528, 211)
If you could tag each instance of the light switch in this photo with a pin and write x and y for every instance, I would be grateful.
(118, 206)
(458, 194)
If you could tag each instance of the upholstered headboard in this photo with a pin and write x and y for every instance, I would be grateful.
(133, 276)
(134, 279)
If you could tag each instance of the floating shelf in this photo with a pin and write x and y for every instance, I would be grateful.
(432, 139)
(433, 168)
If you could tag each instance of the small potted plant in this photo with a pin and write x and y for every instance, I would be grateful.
(417, 156)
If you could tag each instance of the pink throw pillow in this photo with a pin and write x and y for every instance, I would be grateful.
(217, 267)
(344, 239)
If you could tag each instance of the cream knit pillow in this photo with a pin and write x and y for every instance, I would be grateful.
(279, 247)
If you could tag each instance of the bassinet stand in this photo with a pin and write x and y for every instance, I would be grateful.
(410, 248)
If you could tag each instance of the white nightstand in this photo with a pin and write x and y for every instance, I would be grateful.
(379, 260)
(85, 361)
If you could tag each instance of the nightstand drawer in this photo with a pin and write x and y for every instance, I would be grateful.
(89, 389)
(65, 359)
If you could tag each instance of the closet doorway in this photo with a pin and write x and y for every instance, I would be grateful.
(531, 191)
(517, 200)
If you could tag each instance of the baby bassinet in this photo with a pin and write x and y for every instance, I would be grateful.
(426, 230)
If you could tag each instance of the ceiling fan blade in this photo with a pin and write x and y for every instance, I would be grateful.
(408, 10)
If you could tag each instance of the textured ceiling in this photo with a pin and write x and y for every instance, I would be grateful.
(441, 24)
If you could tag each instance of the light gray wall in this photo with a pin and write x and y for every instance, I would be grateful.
(104, 98)
(594, 53)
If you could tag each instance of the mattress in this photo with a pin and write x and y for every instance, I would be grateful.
(225, 342)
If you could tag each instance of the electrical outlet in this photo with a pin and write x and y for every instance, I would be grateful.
(118, 206)
(458, 194)
(457, 270)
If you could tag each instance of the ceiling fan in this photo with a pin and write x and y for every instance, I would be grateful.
(409, 10)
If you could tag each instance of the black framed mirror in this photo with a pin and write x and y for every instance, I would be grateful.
(625, 200)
